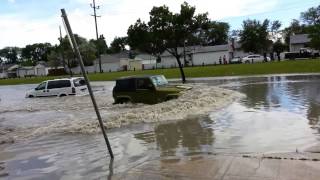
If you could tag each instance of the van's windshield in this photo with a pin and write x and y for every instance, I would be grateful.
(79, 82)
(159, 80)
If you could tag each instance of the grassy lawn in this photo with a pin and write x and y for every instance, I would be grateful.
(297, 66)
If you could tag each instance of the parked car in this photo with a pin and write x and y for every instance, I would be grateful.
(236, 60)
(59, 87)
(148, 89)
(254, 58)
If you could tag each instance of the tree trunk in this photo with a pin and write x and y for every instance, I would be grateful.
(183, 77)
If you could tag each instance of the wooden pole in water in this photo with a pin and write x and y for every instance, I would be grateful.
(75, 48)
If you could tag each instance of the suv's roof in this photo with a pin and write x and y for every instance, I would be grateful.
(136, 77)
(73, 78)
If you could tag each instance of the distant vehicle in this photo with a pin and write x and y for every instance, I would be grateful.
(148, 89)
(303, 53)
(254, 58)
(58, 87)
(236, 60)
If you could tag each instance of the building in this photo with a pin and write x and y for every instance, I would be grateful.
(299, 41)
(109, 63)
(25, 71)
(120, 62)
(201, 55)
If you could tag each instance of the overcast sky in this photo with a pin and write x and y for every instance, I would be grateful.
(33, 21)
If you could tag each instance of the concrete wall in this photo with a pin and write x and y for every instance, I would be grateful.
(110, 67)
(106, 67)
(40, 71)
(296, 47)
(25, 72)
(135, 65)
(168, 62)
(209, 58)
(149, 66)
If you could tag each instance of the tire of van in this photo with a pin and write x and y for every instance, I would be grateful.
(122, 100)
(30, 96)
(62, 95)
(171, 97)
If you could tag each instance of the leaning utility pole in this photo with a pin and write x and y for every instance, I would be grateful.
(76, 50)
(97, 34)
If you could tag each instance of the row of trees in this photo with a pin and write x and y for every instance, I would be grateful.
(61, 54)
(167, 31)
(266, 36)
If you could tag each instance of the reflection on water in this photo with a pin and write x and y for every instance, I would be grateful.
(180, 138)
(285, 93)
(278, 114)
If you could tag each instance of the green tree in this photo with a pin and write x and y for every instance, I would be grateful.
(100, 44)
(217, 33)
(36, 52)
(279, 47)
(54, 59)
(294, 28)
(314, 35)
(118, 44)
(88, 51)
(167, 31)
(311, 16)
(9, 55)
(274, 30)
(254, 37)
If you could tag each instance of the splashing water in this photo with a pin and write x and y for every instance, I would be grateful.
(199, 100)
(38, 116)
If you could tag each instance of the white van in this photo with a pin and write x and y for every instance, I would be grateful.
(59, 87)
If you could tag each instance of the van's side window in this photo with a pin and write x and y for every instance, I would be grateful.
(126, 85)
(41, 86)
(143, 84)
(59, 84)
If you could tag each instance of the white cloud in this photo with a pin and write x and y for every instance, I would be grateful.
(11, 1)
(117, 15)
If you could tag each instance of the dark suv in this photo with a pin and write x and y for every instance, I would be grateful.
(148, 89)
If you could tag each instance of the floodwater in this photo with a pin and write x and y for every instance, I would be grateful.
(58, 138)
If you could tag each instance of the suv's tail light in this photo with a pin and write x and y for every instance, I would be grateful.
(73, 90)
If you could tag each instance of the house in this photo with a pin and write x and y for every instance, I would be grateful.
(141, 61)
(25, 71)
(298, 41)
(4, 70)
(201, 55)
(41, 69)
(12, 71)
(109, 63)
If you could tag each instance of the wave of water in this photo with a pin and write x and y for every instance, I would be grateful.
(76, 115)
(197, 101)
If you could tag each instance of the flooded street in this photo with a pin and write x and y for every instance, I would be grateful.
(58, 138)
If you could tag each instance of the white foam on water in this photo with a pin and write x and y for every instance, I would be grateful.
(81, 117)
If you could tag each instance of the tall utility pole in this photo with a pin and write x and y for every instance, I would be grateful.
(93, 5)
(75, 49)
(61, 49)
